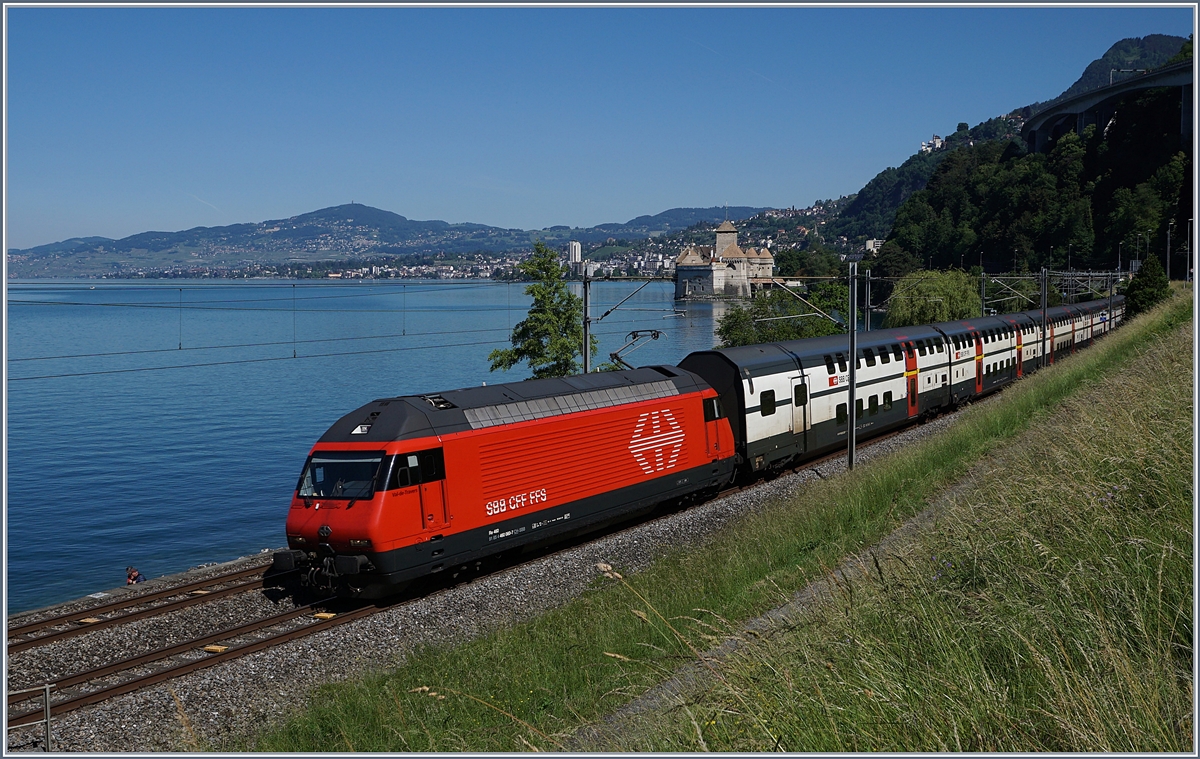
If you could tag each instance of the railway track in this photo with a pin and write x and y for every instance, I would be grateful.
(83, 688)
(205, 651)
(65, 626)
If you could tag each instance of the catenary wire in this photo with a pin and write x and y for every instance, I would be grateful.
(276, 358)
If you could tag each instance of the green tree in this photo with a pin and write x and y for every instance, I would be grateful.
(550, 338)
(926, 297)
(780, 315)
(1149, 286)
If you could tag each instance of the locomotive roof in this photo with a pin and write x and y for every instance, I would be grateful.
(414, 416)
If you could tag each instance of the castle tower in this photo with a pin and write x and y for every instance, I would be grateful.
(726, 238)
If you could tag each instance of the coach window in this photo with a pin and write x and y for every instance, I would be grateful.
(921, 347)
(829, 364)
(899, 354)
(767, 401)
(873, 408)
(858, 408)
(870, 356)
(841, 413)
(938, 344)
(887, 401)
(841, 360)
(884, 356)
(801, 397)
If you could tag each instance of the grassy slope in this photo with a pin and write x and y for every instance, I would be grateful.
(530, 684)
(1042, 613)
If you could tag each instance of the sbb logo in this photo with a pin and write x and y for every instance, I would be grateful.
(657, 441)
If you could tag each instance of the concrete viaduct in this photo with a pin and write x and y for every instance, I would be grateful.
(1097, 107)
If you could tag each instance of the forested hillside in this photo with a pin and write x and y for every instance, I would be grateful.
(1114, 191)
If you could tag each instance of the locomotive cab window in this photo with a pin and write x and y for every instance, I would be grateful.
(415, 468)
(713, 410)
(340, 474)
(766, 401)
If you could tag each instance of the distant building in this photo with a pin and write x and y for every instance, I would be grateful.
(873, 246)
(722, 269)
(575, 258)
(937, 143)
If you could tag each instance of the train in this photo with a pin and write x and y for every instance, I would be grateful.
(410, 486)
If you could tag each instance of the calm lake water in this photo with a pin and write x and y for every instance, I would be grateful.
(163, 424)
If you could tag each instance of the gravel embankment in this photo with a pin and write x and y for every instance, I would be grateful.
(225, 703)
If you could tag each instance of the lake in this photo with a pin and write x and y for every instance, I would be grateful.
(162, 424)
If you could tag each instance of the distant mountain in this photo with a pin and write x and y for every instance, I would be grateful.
(340, 232)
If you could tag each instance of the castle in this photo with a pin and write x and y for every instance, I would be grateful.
(721, 270)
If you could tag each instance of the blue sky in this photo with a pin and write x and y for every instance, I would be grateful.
(122, 120)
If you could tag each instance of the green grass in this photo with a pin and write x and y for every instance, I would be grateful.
(1040, 614)
(529, 685)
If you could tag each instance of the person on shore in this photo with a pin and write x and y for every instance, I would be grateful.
(132, 576)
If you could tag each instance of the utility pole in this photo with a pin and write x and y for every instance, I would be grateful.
(851, 406)
(867, 310)
(1045, 280)
(587, 321)
(982, 292)
(1112, 289)
(1167, 268)
(1188, 277)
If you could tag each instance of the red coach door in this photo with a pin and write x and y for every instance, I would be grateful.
(978, 363)
(910, 373)
(1020, 350)
(1051, 327)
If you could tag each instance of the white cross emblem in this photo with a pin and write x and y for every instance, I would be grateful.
(657, 441)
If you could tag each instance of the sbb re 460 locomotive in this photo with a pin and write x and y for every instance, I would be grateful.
(406, 487)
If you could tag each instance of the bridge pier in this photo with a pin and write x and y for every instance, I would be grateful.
(1185, 117)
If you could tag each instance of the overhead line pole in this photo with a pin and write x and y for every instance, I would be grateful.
(853, 359)
(587, 322)
(1045, 281)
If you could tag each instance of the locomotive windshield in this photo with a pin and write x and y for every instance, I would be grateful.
(340, 474)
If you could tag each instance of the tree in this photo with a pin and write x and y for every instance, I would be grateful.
(927, 297)
(759, 321)
(550, 338)
(1149, 286)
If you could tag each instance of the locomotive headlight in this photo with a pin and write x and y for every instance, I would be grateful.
(297, 539)
(354, 543)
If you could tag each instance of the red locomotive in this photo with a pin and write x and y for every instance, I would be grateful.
(405, 487)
